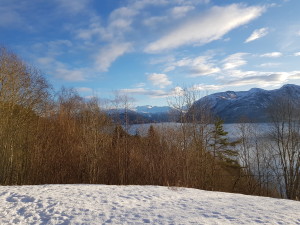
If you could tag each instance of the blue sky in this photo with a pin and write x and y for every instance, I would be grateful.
(152, 49)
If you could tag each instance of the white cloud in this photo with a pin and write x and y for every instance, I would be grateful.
(159, 79)
(122, 18)
(190, 2)
(178, 11)
(139, 85)
(261, 79)
(123, 12)
(269, 64)
(143, 91)
(181, 11)
(109, 54)
(297, 54)
(295, 75)
(140, 4)
(205, 87)
(154, 20)
(206, 28)
(45, 60)
(119, 23)
(169, 68)
(272, 55)
(202, 66)
(94, 29)
(199, 66)
(204, 69)
(234, 61)
(72, 75)
(259, 33)
(236, 74)
(176, 91)
(163, 59)
(258, 78)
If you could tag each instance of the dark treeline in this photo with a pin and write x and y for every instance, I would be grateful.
(63, 139)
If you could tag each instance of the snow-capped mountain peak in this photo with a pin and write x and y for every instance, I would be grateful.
(152, 109)
(232, 106)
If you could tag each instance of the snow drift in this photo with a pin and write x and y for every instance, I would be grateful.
(102, 204)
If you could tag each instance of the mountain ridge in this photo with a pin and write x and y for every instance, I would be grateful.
(232, 106)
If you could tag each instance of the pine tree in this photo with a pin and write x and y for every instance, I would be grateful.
(221, 147)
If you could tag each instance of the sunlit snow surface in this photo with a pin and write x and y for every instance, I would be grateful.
(101, 204)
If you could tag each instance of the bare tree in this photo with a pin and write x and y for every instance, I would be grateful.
(285, 137)
(23, 96)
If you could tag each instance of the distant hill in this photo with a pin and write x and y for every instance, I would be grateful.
(153, 109)
(157, 113)
(132, 117)
(232, 106)
(142, 114)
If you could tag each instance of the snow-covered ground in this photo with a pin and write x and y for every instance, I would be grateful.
(101, 204)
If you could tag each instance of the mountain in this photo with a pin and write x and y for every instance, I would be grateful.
(231, 106)
(153, 109)
(142, 114)
(157, 113)
(132, 117)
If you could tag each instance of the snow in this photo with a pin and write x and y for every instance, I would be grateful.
(102, 204)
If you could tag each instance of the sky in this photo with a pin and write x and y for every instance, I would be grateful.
(151, 50)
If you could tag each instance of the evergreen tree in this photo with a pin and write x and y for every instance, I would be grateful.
(221, 147)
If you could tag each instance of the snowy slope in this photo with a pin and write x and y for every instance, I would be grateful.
(101, 204)
(252, 104)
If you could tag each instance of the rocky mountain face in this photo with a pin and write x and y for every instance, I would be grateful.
(233, 106)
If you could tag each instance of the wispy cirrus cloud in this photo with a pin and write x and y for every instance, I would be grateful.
(209, 27)
(269, 65)
(159, 79)
(147, 92)
(84, 89)
(233, 61)
(140, 4)
(73, 75)
(181, 11)
(297, 54)
(195, 67)
(109, 54)
(202, 66)
(51, 63)
(13, 14)
(205, 87)
(119, 22)
(262, 79)
(256, 34)
(272, 54)
(154, 20)
(175, 13)
(176, 91)
(258, 78)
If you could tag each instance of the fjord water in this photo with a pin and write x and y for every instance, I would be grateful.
(262, 129)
